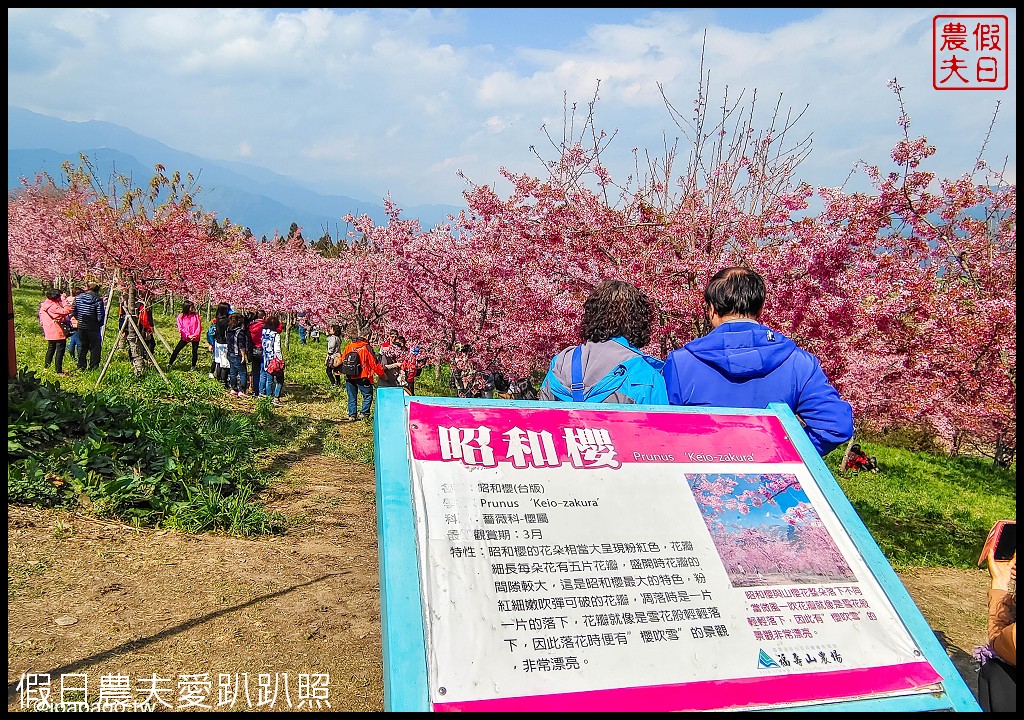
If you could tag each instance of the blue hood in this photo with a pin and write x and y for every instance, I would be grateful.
(741, 349)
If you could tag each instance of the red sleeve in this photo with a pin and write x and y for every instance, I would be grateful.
(371, 361)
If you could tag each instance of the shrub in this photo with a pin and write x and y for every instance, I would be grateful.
(133, 457)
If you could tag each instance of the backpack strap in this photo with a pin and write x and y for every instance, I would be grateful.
(577, 374)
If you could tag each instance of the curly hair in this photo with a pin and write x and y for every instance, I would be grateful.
(616, 308)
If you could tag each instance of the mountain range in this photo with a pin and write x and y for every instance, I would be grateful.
(247, 195)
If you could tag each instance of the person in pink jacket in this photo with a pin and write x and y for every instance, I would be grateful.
(52, 312)
(190, 325)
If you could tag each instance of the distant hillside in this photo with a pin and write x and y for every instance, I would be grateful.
(247, 195)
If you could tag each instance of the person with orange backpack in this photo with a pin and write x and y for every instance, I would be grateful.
(359, 366)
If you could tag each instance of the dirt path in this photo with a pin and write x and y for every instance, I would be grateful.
(304, 604)
(95, 599)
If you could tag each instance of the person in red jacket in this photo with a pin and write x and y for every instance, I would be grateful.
(858, 460)
(255, 325)
(361, 383)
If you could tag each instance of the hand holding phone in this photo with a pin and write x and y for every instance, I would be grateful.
(1001, 542)
(1001, 574)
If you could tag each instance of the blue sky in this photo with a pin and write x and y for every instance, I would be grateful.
(767, 514)
(371, 102)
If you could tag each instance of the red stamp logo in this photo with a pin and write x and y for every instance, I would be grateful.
(970, 52)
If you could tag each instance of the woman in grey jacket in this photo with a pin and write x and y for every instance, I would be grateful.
(333, 351)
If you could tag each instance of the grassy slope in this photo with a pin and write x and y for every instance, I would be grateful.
(922, 509)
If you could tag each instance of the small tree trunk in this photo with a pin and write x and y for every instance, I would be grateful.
(846, 456)
(1003, 455)
(131, 336)
(958, 439)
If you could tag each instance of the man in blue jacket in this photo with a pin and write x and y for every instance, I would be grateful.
(742, 363)
(90, 311)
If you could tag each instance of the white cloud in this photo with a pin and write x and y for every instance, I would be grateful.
(396, 97)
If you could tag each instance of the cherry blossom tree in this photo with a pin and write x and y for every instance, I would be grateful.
(795, 548)
(143, 237)
(906, 293)
(40, 240)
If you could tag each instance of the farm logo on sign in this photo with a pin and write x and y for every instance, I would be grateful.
(764, 661)
(970, 52)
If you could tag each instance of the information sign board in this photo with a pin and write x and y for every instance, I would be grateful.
(604, 557)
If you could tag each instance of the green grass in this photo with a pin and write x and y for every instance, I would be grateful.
(141, 450)
(923, 509)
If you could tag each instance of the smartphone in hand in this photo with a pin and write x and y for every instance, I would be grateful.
(1003, 539)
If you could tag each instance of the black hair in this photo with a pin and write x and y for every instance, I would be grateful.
(53, 294)
(336, 330)
(736, 291)
(187, 306)
(617, 309)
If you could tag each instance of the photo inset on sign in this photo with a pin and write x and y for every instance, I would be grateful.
(765, 529)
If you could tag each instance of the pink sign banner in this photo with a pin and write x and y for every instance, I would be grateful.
(730, 694)
(550, 437)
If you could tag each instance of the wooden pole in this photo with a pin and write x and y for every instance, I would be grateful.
(146, 348)
(106, 314)
(846, 456)
(157, 333)
(110, 356)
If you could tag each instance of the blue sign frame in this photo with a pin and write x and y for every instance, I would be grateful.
(403, 632)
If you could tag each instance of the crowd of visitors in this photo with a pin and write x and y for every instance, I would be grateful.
(738, 363)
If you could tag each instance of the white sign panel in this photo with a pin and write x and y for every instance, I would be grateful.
(639, 561)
